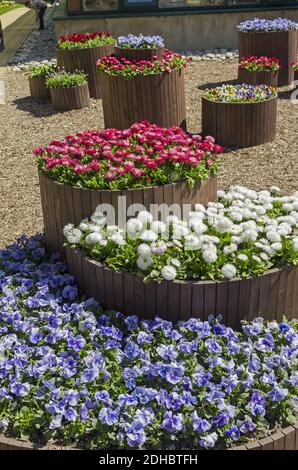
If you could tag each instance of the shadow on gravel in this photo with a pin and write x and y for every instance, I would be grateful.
(205, 86)
(30, 106)
(287, 94)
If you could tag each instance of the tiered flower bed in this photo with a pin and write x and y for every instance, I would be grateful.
(272, 38)
(241, 115)
(74, 376)
(135, 90)
(145, 165)
(235, 259)
(81, 51)
(259, 70)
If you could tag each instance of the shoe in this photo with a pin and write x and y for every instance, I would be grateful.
(41, 29)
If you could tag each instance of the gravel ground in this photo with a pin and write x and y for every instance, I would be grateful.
(25, 125)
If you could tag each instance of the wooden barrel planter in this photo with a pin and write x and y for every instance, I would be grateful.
(240, 124)
(38, 90)
(139, 54)
(63, 203)
(271, 295)
(158, 98)
(269, 78)
(84, 60)
(280, 44)
(67, 98)
(284, 439)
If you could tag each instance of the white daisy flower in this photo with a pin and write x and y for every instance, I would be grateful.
(169, 273)
(209, 253)
(145, 217)
(74, 236)
(192, 242)
(175, 262)
(276, 247)
(111, 229)
(148, 236)
(134, 227)
(273, 237)
(229, 271)
(250, 235)
(159, 247)
(118, 239)
(84, 225)
(242, 257)
(144, 262)
(144, 249)
(180, 230)
(229, 249)
(158, 227)
(67, 229)
(93, 237)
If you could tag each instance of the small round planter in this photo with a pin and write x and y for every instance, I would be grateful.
(158, 98)
(240, 124)
(285, 439)
(84, 60)
(38, 90)
(270, 295)
(139, 54)
(269, 78)
(67, 98)
(280, 44)
(63, 203)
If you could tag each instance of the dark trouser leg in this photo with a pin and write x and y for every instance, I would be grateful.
(41, 18)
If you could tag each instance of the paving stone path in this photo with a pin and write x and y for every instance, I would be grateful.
(38, 47)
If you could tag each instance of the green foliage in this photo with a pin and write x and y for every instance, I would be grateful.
(66, 80)
(43, 70)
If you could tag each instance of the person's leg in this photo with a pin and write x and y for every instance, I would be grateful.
(41, 18)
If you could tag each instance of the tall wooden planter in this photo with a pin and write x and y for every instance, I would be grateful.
(84, 60)
(139, 54)
(280, 44)
(270, 295)
(63, 203)
(239, 124)
(67, 98)
(38, 90)
(158, 98)
(269, 78)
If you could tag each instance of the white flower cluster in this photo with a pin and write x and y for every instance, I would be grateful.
(245, 232)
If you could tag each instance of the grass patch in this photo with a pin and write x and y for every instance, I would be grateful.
(9, 6)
